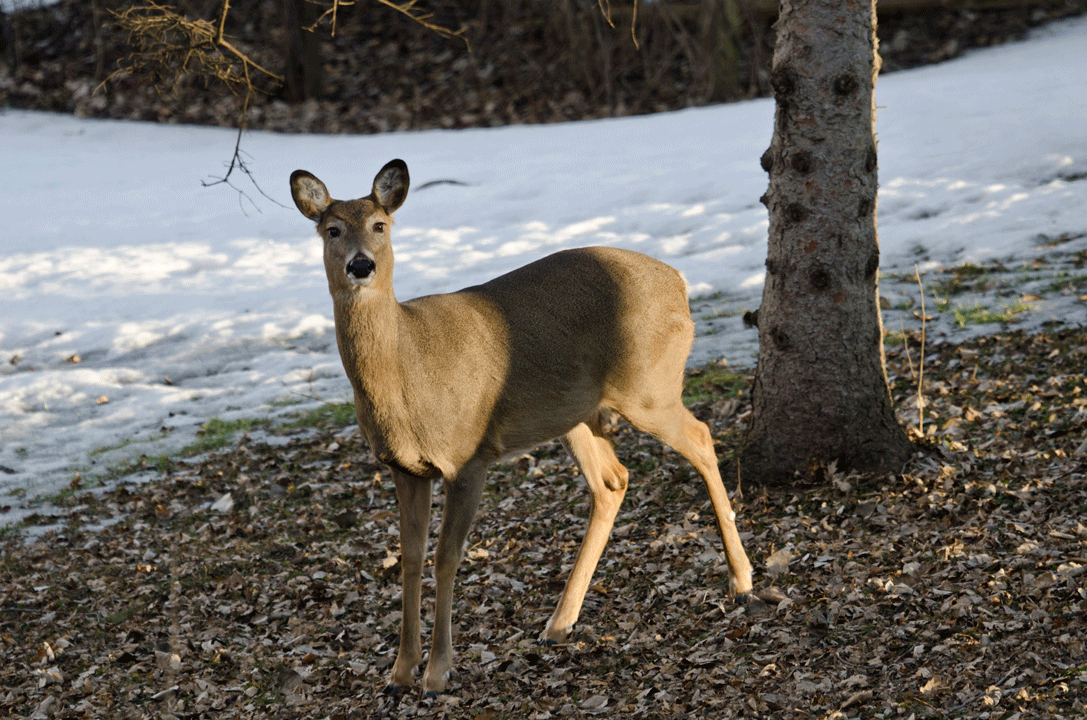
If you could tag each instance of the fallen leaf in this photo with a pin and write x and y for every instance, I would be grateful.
(596, 703)
(224, 504)
(778, 562)
(930, 688)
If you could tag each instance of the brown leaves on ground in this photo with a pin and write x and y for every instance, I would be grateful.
(264, 582)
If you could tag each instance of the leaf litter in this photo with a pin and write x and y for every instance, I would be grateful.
(263, 581)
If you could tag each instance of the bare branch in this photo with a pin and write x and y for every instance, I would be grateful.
(605, 10)
(222, 20)
(408, 8)
(333, 11)
(168, 46)
(237, 162)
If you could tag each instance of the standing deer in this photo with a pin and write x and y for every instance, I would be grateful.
(445, 385)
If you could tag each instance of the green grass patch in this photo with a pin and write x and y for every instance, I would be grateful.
(286, 401)
(216, 434)
(941, 305)
(904, 305)
(721, 315)
(108, 448)
(963, 279)
(1065, 281)
(12, 530)
(713, 381)
(978, 315)
(326, 415)
(80, 483)
(894, 338)
(161, 463)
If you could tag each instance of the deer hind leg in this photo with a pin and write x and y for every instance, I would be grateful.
(413, 498)
(688, 436)
(462, 496)
(607, 480)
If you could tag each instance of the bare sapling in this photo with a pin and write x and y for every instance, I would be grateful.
(445, 385)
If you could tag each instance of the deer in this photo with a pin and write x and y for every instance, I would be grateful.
(446, 385)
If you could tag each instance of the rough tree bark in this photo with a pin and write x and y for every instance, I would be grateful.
(820, 392)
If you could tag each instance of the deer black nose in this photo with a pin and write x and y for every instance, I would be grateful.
(360, 267)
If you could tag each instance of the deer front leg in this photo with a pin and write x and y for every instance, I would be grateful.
(462, 496)
(607, 480)
(413, 497)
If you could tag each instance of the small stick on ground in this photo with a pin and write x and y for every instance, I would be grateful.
(921, 361)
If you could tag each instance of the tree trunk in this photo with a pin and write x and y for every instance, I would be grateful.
(303, 73)
(820, 391)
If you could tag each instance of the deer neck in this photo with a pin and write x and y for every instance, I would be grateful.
(376, 349)
(368, 328)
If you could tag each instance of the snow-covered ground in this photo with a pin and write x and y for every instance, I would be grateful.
(17, 5)
(184, 303)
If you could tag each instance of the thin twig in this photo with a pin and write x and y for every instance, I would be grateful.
(906, 347)
(334, 12)
(237, 162)
(605, 10)
(408, 8)
(220, 39)
(170, 46)
(921, 361)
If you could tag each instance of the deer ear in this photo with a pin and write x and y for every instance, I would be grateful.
(310, 194)
(391, 185)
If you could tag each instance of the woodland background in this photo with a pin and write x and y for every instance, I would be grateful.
(530, 61)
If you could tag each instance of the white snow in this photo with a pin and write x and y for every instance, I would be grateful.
(186, 303)
(17, 5)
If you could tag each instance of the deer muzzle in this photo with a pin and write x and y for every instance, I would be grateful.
(361, 267)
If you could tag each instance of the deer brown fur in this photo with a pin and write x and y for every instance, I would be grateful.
(445, 385)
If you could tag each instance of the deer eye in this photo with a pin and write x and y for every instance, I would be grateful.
(333, 232)
(379, 227)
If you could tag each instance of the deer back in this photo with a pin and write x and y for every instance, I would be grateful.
(522, 359)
